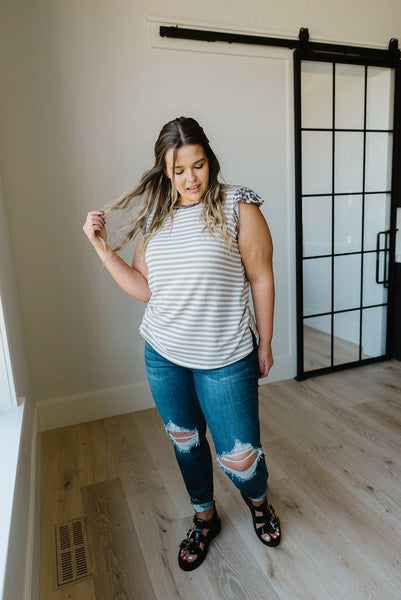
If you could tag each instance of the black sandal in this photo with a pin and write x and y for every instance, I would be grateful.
(192, 545)
(271, 523)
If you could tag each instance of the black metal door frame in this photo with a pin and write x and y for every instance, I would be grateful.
(393, 62)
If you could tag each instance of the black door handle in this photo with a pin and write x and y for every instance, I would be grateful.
(384, 280)
(387, 238)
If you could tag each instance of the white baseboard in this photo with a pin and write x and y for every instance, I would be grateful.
(90, 406)
(100, 404)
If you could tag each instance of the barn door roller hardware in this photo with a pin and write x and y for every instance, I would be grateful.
(303, 42)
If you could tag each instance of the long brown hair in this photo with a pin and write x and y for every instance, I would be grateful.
(158, 192)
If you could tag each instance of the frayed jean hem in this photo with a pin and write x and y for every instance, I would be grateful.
(203, 506)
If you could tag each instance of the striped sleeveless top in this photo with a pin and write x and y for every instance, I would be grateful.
(199, 315)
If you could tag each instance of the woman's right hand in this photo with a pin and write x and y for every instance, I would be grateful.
(94, 227)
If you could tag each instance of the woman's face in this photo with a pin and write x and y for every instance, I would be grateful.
(191, 173)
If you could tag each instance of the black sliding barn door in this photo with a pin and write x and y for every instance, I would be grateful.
(346, 139)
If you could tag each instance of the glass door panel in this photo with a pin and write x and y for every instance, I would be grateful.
(350, 96)
(380, 98)
(377, 217)
(317, 334)
(347, 282)
(348, 162)
(374, 331)
(347, 224)
(317, 289)
(346, 332)
(316, 226)
(378, 161)
(373, 292)
(317, 94)
(316, 162)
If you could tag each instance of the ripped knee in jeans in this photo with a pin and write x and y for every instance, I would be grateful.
(242, 461)
(183, 439)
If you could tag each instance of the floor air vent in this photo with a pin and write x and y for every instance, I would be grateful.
(72, 552)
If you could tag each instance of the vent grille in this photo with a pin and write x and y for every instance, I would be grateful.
(72, 552)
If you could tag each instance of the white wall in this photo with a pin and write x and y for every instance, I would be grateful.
(85, 98)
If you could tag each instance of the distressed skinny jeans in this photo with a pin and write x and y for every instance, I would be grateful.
(225, 400)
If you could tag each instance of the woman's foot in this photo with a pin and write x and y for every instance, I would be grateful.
(265, 521)
(258, 513)
(204, 516)
(193, 549)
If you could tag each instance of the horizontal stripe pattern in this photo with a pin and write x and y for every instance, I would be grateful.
(198, 315)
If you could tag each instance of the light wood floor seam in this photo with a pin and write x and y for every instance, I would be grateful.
(333, 450)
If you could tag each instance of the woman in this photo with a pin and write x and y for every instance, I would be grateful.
(200, 245)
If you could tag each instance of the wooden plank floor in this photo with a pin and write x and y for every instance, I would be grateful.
(333, 448)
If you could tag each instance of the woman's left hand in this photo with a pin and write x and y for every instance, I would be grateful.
(265, 359)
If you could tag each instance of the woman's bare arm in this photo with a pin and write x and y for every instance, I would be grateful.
(138, 261)
(130, 279)
(256, 248)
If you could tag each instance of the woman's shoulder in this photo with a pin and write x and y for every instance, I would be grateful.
(240, 193)
(234, 195)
